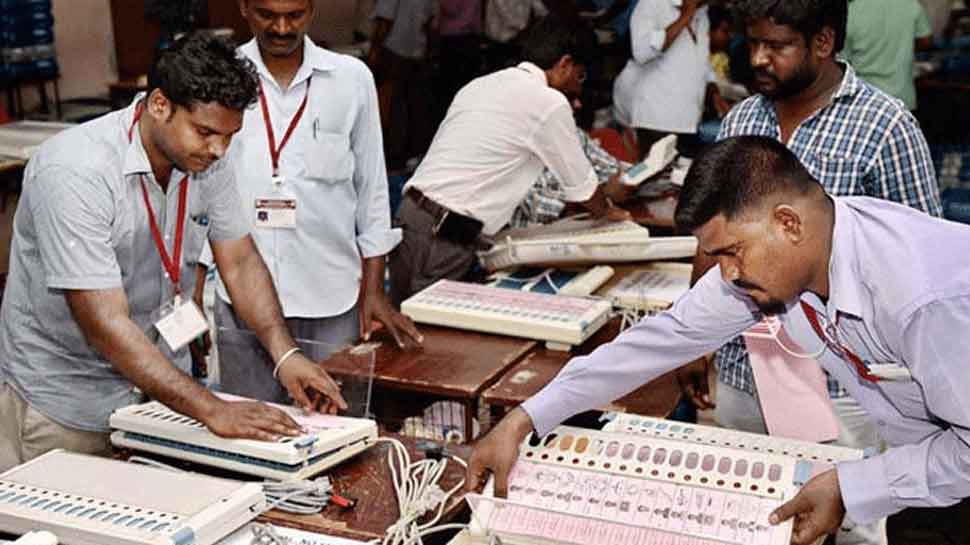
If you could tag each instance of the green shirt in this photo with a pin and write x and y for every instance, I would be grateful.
(880, 42)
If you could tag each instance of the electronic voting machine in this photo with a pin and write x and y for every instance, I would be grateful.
(655, 482)
(153, 427)
(86, 500)
(560, 320)
(582, 241)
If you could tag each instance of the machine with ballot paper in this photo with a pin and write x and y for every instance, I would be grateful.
(649, 481)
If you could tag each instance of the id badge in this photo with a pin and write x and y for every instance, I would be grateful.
(275, 213)
(180, 323)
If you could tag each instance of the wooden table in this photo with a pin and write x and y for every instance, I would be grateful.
(524, 379)
(451, 364)
(367, 478)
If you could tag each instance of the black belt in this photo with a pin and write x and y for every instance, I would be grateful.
(447, 224)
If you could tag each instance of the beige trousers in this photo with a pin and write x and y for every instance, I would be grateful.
(26, 434)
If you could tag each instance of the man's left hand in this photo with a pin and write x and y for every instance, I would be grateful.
(310, 386)
(817, 509)
(377, 307)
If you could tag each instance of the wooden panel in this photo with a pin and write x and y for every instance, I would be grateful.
(451, 363)
(523, 380)
(367, 478)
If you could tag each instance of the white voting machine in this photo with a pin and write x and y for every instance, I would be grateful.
(583, 241)
(585, 486)
(329, 440)
(652, 288)
(560, 320)
(21, 139)
(86, 500)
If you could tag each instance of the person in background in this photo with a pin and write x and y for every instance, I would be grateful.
(880, 41)
(399, 59)
(663, 88)
(500, 131)
(325, 159)
(459, 48)
(113, 216)
(546, 201)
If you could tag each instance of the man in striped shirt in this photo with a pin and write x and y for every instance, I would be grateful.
(853, 138)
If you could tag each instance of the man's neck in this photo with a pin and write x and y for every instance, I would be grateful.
(820, 282)
(284, 69)
(817, 95)
(161, 165)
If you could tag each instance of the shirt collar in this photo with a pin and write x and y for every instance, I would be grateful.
(844, 274)
(314, 58)
(534, 71)
(136, 159)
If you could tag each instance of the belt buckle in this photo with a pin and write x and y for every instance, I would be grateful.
(441, 221)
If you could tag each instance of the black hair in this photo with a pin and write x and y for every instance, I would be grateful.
(735, 174)
(201, 68)
(552, 37)
(807, 17)
(716, 15)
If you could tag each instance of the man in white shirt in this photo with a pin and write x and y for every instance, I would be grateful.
(664, 86)
(498, 134)
(313, 146)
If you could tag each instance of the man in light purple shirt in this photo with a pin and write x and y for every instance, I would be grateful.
(888, 288)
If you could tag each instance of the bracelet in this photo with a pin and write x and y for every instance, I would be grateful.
(290, 352)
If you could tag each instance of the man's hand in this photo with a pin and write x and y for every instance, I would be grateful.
(497, 453)
(693, 380)
(249, 420)
(617, 191)
(690, 7)
(817, 509)
(310, 386)
(377, 307)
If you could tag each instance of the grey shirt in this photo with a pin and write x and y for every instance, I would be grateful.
(407, 37)
(82, 224)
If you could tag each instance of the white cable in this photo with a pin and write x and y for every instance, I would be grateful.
(417, 491)
(298, 497)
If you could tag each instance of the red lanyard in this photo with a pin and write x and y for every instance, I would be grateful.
(841, 351)
(171, 263)
(274, 152)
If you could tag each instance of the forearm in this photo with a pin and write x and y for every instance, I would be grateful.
(675, 28)
(197, 295)
(373, 276)
(256, 302)
(103, 318)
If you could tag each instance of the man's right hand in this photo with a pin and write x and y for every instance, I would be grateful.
(497, 453)
(690, 7)
(693, 380)
(249, 420)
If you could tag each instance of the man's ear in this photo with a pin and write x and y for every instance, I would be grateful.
(159, 106)
(789, 222)
(823, 43)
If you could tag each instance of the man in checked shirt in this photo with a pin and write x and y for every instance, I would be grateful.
(853, 138)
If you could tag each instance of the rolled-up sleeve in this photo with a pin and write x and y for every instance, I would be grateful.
(555, 143)
(227, 219)
(935, 471)
(375, 237)
(73, 211)
(706, 317)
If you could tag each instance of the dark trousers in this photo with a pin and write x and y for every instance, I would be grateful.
(422, 258)
(931, 526)
(402, 90)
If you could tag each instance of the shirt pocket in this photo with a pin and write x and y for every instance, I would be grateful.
(839, 175)
(328, 158)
